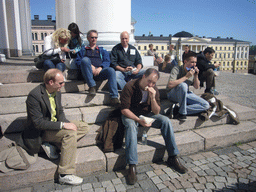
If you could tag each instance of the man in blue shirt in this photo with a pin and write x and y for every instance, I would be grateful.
(94, 63)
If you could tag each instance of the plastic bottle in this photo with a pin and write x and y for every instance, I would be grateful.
(144, 138)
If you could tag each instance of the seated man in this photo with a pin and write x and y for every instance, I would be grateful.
(180, 79)
(141, 97)
(94, 63)
(126, 60)
(206, 69)
(47, 123)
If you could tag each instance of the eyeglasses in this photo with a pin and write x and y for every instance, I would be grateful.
(94, 37)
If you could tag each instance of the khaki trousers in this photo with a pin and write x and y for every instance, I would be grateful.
(68, 140)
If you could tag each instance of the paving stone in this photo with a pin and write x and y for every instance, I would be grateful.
(142, 176)
(107, 184)
(197, 163)
(201, 180)
(150, 174)
(172, 175)
(190, 165)
(191, 190)
(196, 169)
(110, 189)
(67, 189)
(164, 177)
(238, 154)
(147, 185)
(211, 159)
(231, 180)
(209, 179)
(242, 164)
(97, 185)
(252, 178)
(204, 167)
(192, 180)
(219, 163)
(107, 176)
(186, 184)
(242, 180)
(219, 185)
(120, 187)
(245, 146)
(86, 186)
(165, 190)
(210, 172)
(203, 161)
(158, 172)
(187, 159)
(99, 189)
(199, 186)
(251, 150)
(176, 183)
(208, 154)
(217, 169)
(220, 179)
(209, 186)
(180, 190)
(160, 186)
(156, 179)
(201, 173)
(223, 174)
(116, 181)
(227, 168)
(226, 162)
(233, 175)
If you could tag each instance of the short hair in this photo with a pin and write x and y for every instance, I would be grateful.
(150, 45)
(167, 58)
(91, 31)
(61, 33)
(209, 50)
(149, 71)
(189, 54)
(50, 74)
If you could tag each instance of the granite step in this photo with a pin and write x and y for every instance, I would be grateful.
(91, 159)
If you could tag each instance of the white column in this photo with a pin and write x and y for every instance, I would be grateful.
(13, 22)
(25, 24)
(4, 37)
(66, 13)
(108, 17)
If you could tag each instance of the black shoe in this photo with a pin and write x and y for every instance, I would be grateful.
(174, 162)
(132, 177)
(175, 111)
(180, 117)
(114, 102)
(92, 91)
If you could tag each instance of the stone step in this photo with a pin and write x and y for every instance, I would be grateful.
(91, 159)
(95, 112)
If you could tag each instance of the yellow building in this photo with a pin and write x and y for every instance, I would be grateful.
(40, 29)
(231, 53)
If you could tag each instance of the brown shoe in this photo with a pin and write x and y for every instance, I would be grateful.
(92, 91)
(114, 102)
(132, 177)
(174, 162)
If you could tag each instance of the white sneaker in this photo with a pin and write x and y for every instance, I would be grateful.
(50, 150)
(70, 179)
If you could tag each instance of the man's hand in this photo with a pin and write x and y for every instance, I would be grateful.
(97, 71)
(62, 60)
(152, 92)
(143, 123)
(190, 73)
(70, 126)
(196, 70)
(129, 68)
(65, 49)
(136, 71)
(216, 65)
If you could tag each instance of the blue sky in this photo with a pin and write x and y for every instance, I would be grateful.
(210, 18)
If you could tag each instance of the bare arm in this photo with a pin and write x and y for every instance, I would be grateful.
(154, 105)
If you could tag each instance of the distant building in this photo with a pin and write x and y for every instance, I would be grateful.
(231, 53)
(40, 29)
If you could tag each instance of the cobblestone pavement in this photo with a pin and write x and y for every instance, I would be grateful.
(227, 169)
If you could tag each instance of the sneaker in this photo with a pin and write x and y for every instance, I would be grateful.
(114, 102)
(92, 91)
(50, 150)
(70, 180)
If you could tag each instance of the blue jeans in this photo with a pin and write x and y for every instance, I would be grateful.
(131, 131)
(188, 101)
(123, 77)
(106, 73)
(48, 64)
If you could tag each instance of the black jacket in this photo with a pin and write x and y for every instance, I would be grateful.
(203, 64)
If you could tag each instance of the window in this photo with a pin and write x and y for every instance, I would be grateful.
(220, 48)
(237, 63)
(42, 48)
(225, 48)
(237, 56)
(45, 34)
(215, 55)
(162, 47)
(145, 47)
(216, 48)
(37, 48)
(34, 48)
(223, 64)
(228, 64)
(229, 48)
(139, 47)
(241, 63)
(245, 63)
(36, 36)
(156, 47)
(220, 55)
(224, 55)
(42, 36)
(33, 37)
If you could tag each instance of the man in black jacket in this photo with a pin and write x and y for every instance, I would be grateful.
(47, 123)
(126, 60)
(205, 67)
